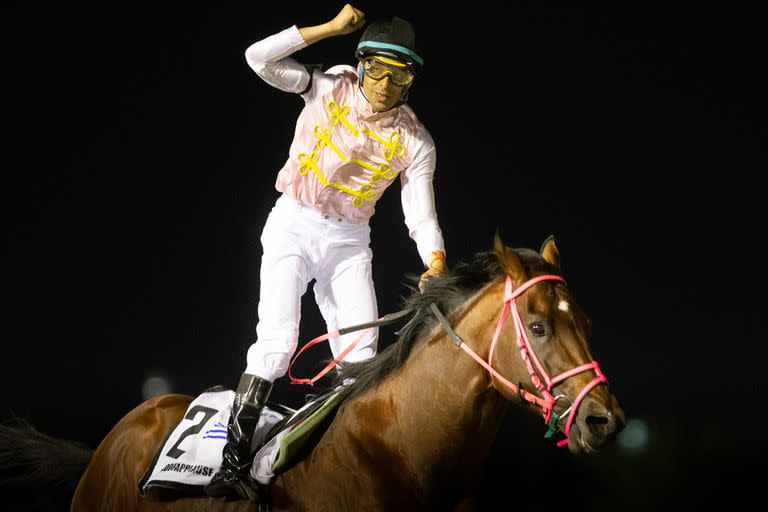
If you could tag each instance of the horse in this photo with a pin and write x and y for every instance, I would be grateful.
(416, 428)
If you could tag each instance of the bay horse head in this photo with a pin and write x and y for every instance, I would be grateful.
(547, 343)
(511, 311)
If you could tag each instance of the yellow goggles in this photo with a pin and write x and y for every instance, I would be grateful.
(377, 68)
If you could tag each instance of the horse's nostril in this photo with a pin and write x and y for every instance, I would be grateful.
(603, 426)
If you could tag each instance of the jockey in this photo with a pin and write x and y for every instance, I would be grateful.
(354, 136)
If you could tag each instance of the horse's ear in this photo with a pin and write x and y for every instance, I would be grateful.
(550, 253)
(508, 259)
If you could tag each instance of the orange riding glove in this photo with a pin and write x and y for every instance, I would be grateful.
(436, 265)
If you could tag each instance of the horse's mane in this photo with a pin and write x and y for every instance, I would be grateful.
(448, 291)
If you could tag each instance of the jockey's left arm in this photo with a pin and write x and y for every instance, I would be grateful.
(418, 199)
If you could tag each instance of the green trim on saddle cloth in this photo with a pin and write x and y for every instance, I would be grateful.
(292, 443)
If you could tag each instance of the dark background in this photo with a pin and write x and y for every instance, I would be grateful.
(140, 165)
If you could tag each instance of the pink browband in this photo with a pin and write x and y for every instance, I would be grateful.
(527, 353)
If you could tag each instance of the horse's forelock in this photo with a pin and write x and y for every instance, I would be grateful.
(533, 262)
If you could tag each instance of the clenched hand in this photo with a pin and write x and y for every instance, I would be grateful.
(348, 20)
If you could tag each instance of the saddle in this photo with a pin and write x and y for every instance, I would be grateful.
(192, 451)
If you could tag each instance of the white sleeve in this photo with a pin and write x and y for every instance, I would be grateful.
(269, 58)
(418, 199)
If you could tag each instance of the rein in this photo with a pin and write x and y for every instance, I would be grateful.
(547, 402)
(385, 320)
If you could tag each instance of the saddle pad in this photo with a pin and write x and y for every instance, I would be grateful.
(299, 435)
(280, 450)
(192, 452)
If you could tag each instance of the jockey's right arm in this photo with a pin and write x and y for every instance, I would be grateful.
(269, 58)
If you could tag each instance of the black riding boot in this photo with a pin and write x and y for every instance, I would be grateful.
(233, 477)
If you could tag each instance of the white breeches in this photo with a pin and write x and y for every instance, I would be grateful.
(301, 244)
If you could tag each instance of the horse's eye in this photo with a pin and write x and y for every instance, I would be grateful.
(537, 328)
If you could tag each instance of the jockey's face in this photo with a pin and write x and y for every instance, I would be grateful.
(383, 81)
(381, 94)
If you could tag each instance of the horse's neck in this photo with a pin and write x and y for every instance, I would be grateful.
(442, 401)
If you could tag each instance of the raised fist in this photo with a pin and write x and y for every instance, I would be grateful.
(348, 20)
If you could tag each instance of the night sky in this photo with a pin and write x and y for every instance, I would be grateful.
(140, 158)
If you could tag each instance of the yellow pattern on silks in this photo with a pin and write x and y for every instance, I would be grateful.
(309, 161)
(383, 170)
(324, 139)
(364, 193)
(392, 146)
(340, 115)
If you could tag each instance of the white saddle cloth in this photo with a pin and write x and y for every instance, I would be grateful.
(192, 452)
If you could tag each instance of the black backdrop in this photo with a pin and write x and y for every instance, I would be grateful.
(140, 164)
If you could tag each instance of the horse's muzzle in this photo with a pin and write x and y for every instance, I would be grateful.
(597, 424)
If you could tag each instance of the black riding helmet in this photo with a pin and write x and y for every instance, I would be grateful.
(394, 38)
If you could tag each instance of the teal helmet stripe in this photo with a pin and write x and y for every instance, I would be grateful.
(387, 46)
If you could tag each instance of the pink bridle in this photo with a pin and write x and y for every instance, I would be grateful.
(547, 402)
(527, 353)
